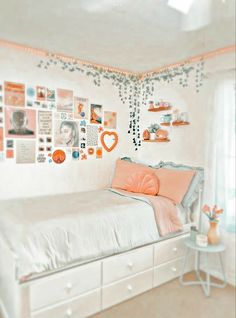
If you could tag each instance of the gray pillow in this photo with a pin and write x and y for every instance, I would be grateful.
(193, 191)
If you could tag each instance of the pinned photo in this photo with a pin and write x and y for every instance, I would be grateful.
(66, 134)
(30, 92)
(1, 139)
(9, 153)
(99, 153)
(41, 93)
(25, 151)
(14, 94)
(10, 143)
(51, 94)
(95, 114)
(20, 123)
(45, 122)
(110, 120)
(64, 100)
(81, 107)
(29, 103)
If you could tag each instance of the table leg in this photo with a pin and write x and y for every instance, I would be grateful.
(208, 277)
(223, 274)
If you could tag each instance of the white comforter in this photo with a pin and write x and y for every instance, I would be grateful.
(47, 233)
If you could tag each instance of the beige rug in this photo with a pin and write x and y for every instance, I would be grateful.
(172, 300)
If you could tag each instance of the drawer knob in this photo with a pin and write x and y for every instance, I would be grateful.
(69, 313)
(69, 286)
(174, 249)
(174, 269)
(130, 288)
(130, 265)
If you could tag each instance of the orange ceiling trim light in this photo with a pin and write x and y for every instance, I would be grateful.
(193, 59)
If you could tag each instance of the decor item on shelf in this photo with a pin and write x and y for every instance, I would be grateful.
(152, 130)
(151, 104)
(146, 135)
(166, 118)
(162, 134)
(184, 117)
(213, 216)
(162, 104)
(201, 240)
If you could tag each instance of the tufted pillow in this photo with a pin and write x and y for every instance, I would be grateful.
(142, 182)
(197, 181)
(124, 170)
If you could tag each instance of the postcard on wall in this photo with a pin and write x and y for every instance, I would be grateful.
(1, 139)
(110, 120)
(81, 107)
(51, 95)
(30, 92)
(64, 100)
(95, 114)
(14, 94)
(66, 133)
(92, 135)
(10, 153)
(20, 123)
(25, 151)
(41, 93)
(45, 123)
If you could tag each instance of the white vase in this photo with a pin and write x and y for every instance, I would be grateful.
(152, 136)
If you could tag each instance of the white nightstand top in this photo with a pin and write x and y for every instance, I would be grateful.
(208, 249)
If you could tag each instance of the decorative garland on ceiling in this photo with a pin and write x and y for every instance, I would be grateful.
(133, 90)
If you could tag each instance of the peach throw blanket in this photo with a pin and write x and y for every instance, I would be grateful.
(166, 215)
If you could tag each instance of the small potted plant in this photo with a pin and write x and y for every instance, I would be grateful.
(213, 216)
(153, 128)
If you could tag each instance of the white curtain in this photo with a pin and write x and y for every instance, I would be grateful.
(220, 155)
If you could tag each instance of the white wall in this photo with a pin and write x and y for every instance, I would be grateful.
(21, 180)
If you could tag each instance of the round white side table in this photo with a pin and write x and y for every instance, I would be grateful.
(205, 284)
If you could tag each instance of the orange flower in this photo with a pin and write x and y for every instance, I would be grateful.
(206, 208)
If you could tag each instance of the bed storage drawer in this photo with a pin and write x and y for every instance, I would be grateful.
(64, 285)
(171, 270)
(122, 266)
(127, 288)
(168, 250)
(80, 307)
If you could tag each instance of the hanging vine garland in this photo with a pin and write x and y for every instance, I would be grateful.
(133, 90)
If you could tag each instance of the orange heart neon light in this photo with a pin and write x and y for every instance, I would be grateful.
(109, 148)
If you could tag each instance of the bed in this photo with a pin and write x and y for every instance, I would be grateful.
(76, 254)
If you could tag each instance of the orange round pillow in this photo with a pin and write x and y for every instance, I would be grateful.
(143, 182)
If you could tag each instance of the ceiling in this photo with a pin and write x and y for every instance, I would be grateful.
(135, 35)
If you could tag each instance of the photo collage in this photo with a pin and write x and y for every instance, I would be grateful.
(40, 124)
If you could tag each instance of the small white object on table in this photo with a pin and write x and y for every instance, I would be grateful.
(205, 284)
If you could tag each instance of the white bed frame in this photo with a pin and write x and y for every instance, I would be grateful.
(84, 290)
